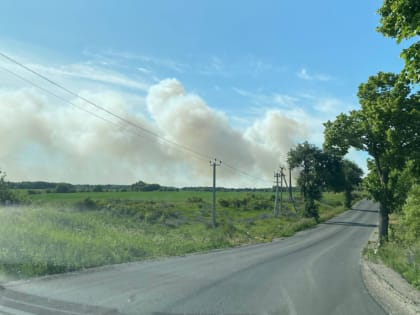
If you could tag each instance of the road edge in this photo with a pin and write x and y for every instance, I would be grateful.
(389, 288)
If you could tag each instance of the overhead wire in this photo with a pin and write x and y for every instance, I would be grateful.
(127, 121)
(73, 104)
(56, 95)
(117, 116)
(244, 173)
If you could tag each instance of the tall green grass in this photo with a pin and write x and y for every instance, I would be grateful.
(403, 258)
(50, 237)
(402, 251)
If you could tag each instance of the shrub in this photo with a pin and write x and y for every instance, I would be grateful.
(411, 214)
(194, 199)
(87, 204)
(33, 192)
(224, 203)
(6, 194)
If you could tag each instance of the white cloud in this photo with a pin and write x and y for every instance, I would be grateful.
(285, 100)
(268, 100)
(186, 119)
(307, 108)
(95, 74)
(304, 75)
(152, 60)
(329, 106)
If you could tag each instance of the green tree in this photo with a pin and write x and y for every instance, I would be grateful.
(400, 19)
(319, 170)
(411, 214)
(142, 186)
(387, 127)
(6, 194)
(353, 177)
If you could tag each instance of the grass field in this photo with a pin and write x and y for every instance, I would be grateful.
(169, 196)
(71, 231)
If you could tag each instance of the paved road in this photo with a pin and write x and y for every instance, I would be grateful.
(314, 272)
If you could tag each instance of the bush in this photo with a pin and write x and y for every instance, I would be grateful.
(248, 203)
(224, 203)
(194, 199)
(402, 251)
(411, 215)
(6, 194)
(87, 204)
(33, 192)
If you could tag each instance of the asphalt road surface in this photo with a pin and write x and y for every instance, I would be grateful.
(314, 272)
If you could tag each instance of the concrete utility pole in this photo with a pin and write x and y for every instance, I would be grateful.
(289, 188)
(281, 188)
(275, 211)
(214, 164)
(290, 185)
(280, 175)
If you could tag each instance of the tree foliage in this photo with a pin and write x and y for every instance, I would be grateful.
(400, 19)
(387, 127)
(307, 157)
(64, 188)
(142, 186)
(352, 178)
(6, 194)
(411, 214)
(320, 170)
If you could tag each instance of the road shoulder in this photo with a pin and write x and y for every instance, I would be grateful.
(389, 288)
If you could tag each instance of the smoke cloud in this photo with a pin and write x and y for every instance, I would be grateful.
(43, 139)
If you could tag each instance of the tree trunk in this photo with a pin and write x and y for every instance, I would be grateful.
(383, 204)
(383, 223)
(348, 200)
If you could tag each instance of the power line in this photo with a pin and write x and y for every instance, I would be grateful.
(55, 95)
(69, 102)
(245, 173)
(127, 121)
(206, 157)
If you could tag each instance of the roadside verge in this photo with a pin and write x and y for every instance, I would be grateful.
(388, 288)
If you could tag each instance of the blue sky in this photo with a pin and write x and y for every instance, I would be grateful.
(255, 67)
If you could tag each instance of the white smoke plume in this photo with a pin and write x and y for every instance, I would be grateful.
(43, 139)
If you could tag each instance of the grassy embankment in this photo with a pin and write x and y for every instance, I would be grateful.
(402, 251)
(67, 232)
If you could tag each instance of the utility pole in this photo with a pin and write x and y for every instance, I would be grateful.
(276, 176)
(290, 184)
(281, 188)
(214, 164)
(289, 188)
